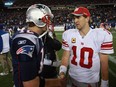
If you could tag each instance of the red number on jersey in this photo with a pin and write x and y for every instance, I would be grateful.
(82, 58)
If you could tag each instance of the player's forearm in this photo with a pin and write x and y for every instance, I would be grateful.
(63, 68)
(105, 75)
(65, 58)
(104, 66)
(64, 64)
(104, 70)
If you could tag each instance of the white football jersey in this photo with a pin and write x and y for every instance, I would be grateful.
(84, 58)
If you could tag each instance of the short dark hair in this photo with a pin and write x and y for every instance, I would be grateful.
(89, 19)
(31, 24)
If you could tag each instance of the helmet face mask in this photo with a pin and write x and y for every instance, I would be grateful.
(46, 19)
(39, 14)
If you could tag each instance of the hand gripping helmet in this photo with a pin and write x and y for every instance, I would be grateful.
(39, 14)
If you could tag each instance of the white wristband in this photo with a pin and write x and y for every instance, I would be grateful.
(63, 69)
(104, 83)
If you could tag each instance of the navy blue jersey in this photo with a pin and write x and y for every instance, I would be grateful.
(27, 56)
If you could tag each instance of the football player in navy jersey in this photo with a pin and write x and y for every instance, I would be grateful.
(27, 49)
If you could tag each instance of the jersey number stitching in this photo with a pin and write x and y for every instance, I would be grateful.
(82, 57)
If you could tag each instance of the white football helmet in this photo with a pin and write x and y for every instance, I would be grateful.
(39, 14)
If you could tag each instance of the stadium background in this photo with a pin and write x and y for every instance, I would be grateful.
(12, 16)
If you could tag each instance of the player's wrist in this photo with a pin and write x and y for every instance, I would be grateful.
(63, 69)
(104, 83)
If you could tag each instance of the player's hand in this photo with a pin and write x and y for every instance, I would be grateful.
(61, 75)
(104, 83)
(63, 80)
(104, 26)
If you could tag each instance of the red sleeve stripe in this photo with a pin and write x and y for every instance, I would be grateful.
(64, 43)
(107, 46)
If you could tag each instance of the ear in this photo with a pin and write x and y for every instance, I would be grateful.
(88, 19)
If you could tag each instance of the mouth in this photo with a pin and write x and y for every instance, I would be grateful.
(77, 24)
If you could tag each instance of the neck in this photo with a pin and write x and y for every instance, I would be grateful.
(35, 29)
(84, 31)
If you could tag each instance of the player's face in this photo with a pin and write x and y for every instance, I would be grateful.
(80, 22)
(43, 29)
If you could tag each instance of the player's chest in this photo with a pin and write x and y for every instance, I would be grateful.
(84, 42)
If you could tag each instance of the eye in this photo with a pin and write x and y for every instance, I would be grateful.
(77, 17)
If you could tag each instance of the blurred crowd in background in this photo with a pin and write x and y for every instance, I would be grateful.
(14, 18)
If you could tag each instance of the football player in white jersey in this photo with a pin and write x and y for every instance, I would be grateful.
(86, 51)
